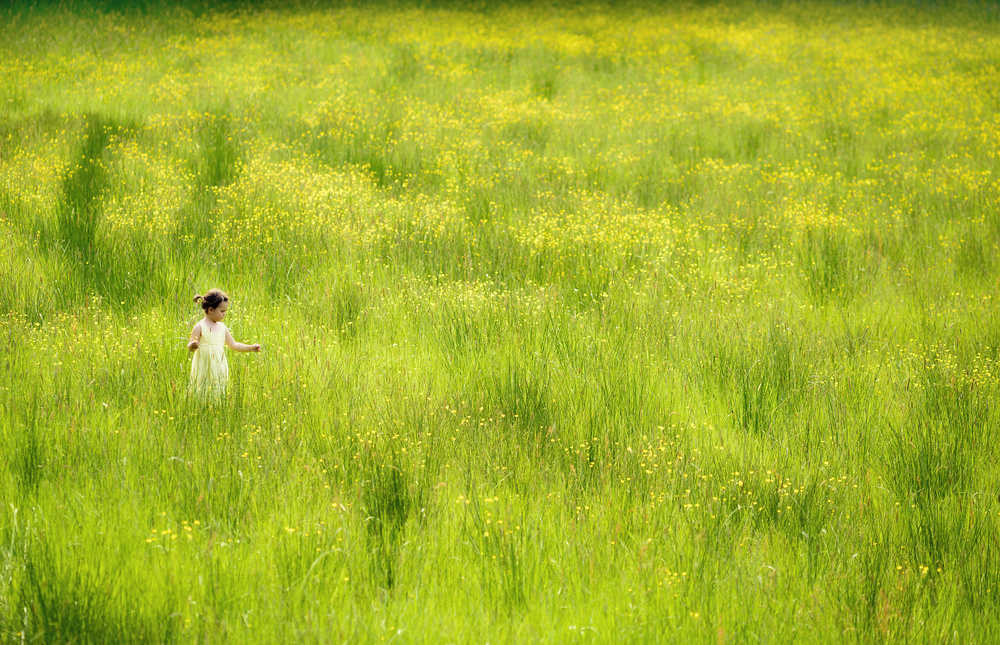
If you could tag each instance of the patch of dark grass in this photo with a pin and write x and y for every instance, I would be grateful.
(28, 463)
(403, 68)
(762, 382)
(16, 131)
(934, 452)
(387, 505)
(220, 162)
(223, 155)
(977, 252)
(83, 188)
(709, 60)
(522, 395)
(545, 83)
(462, 332)
(69, 598)
(839, 136)
(865, 592)
(376, 144)
(978, 566)
(833, 268)
(484, 206)
(505, 570)
(114, 266)
(653, 180)
(13, 210)
(348, 301)
(529, 134)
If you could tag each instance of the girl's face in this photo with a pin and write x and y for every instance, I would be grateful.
(216, 314)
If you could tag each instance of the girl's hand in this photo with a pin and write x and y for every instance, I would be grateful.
(193, 345)
(255, 347)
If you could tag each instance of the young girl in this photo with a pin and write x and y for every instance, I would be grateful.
(209, 369)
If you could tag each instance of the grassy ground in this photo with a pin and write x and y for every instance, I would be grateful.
(579, 324)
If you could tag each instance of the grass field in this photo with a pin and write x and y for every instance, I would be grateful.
(611, 323)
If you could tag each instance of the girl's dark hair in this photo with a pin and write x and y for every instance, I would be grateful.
(212, 299)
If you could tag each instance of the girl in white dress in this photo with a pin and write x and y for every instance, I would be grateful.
(209, 338)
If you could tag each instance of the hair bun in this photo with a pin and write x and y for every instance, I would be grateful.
(212, 298)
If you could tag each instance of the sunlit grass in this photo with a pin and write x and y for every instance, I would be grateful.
(579, 323)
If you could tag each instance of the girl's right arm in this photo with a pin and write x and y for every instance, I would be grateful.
(195, 338)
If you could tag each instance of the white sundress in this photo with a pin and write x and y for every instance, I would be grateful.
(209, 369)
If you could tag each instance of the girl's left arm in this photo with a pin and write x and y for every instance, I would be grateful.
(240, 347)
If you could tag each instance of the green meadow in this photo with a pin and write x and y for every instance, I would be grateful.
(623, 322)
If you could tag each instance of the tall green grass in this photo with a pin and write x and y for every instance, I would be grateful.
(580, 323)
